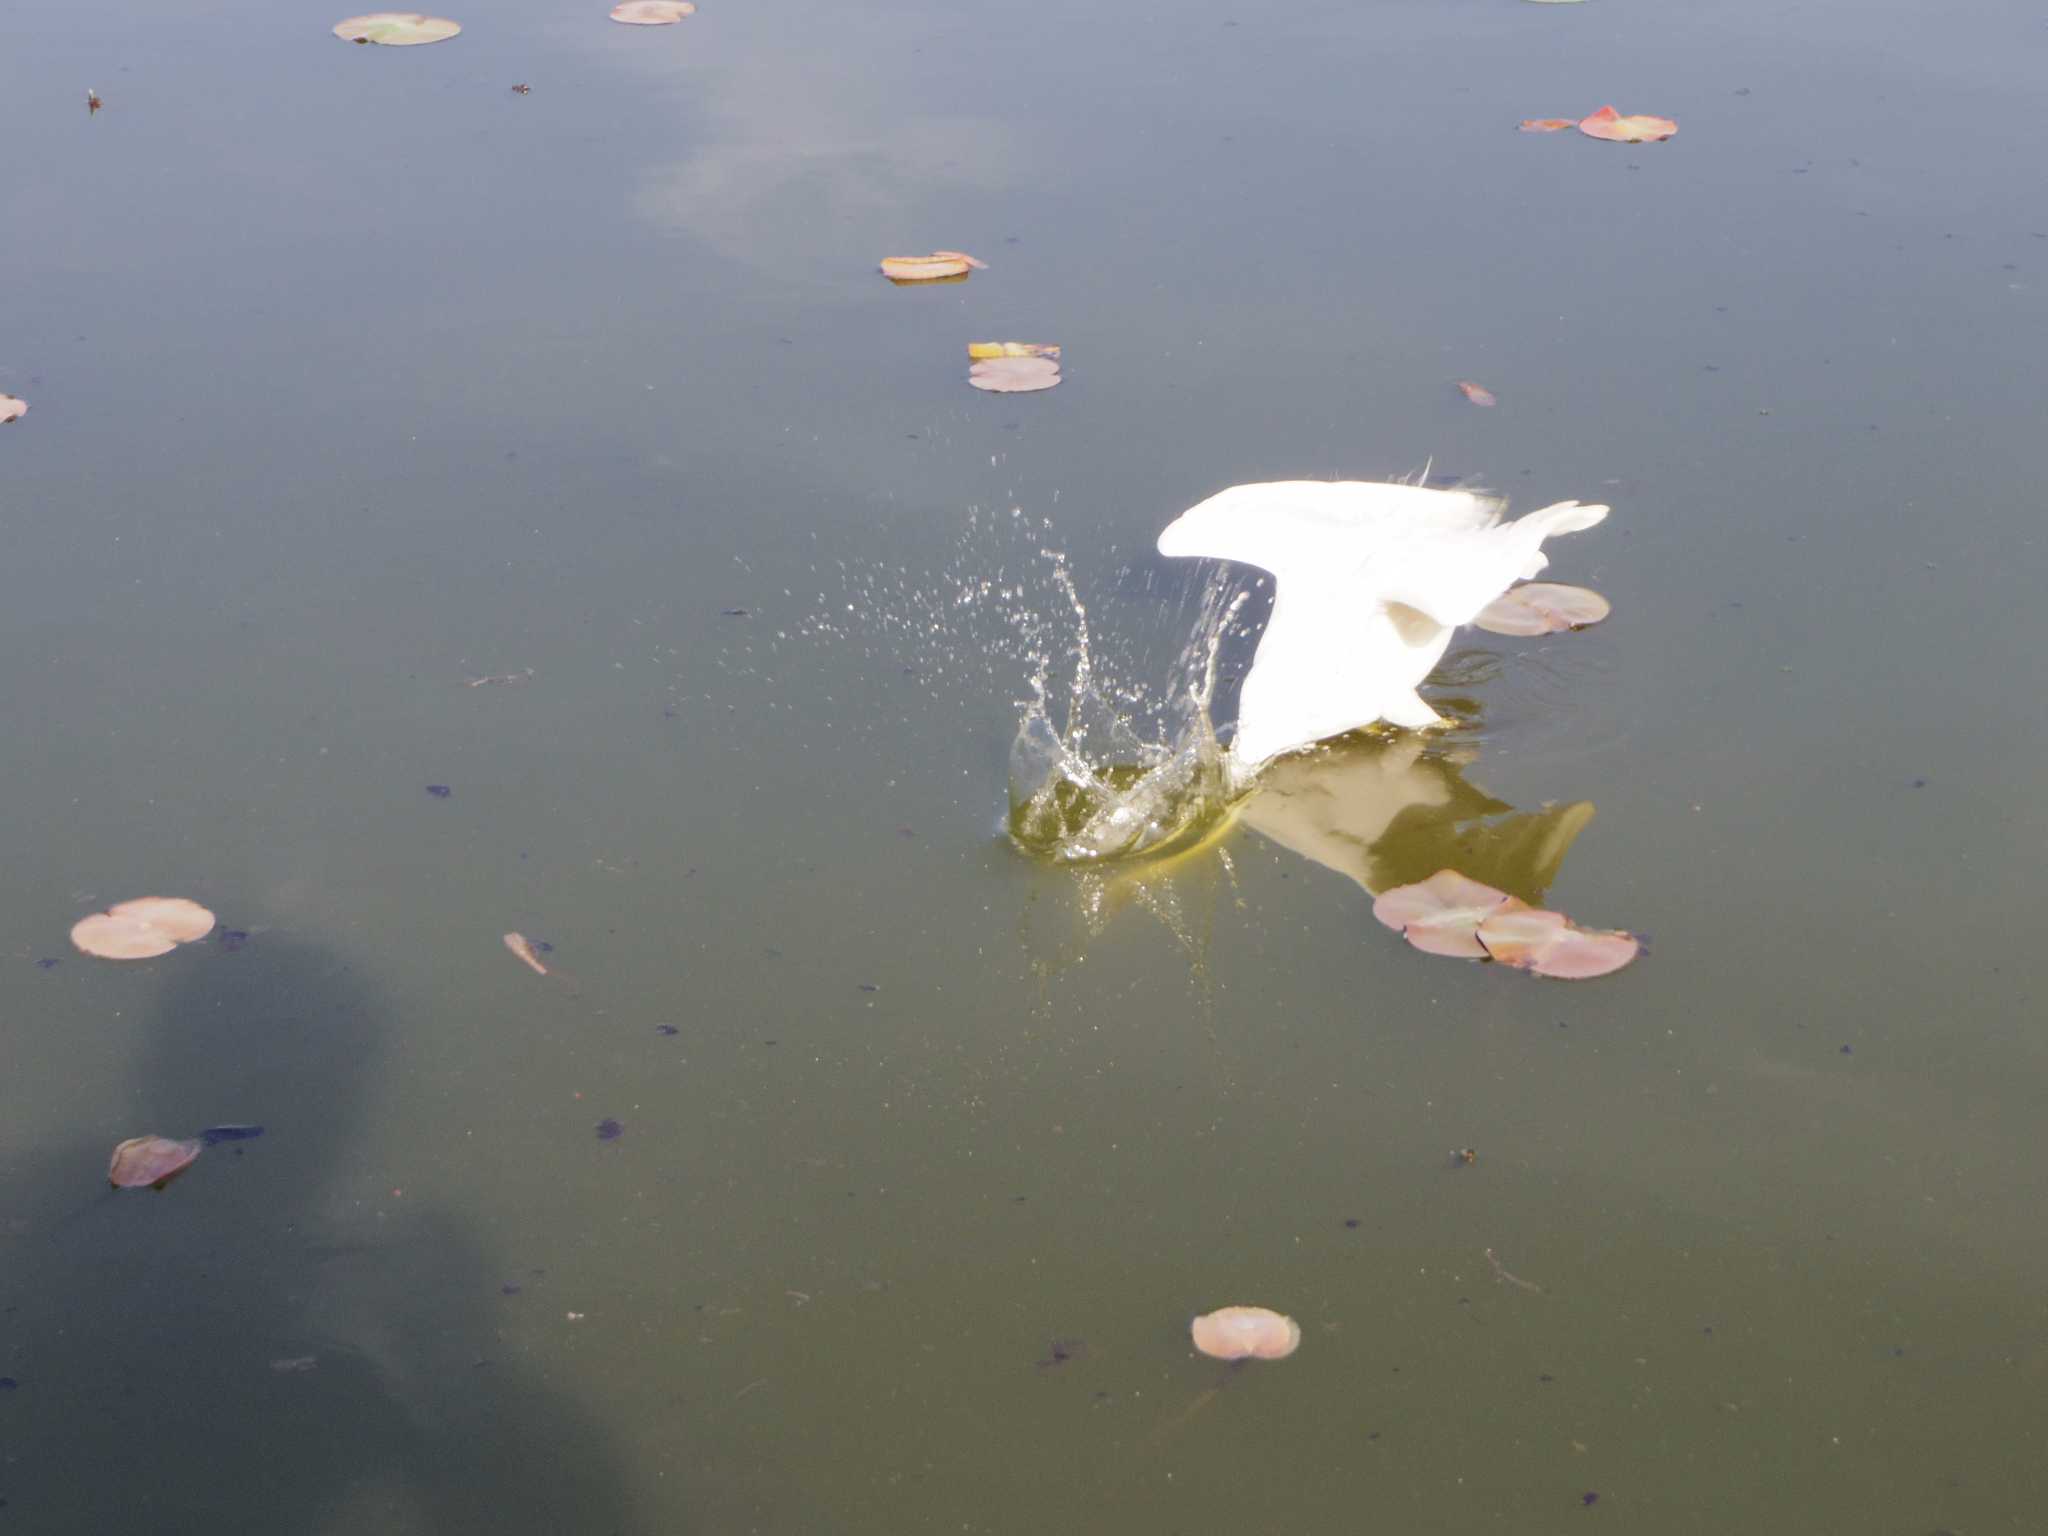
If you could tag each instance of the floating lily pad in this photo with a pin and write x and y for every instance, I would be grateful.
(652, 13)
(1610, 124)
(1550, 944)
(396, 29)
(1542, 608)
(1547, 124)
(1441, 915)
(150, 1160)
(1478, 394)
(142, 929)
(936, 267)
(1014, 375)
(12, 408)
(1246, 1333)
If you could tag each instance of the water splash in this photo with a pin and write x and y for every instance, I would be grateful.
(1107, 781)
(1115, 753)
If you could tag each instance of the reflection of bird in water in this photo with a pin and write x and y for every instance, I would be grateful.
(1369, 581)
(1380, 809)
(1389, 810)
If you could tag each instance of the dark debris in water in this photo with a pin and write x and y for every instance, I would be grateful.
(1059, 1351)
(232, 939)
(48, 963)
(666, 1029)
(440, 791)
(214, 1135)
(509, 1288)
(610, 1130)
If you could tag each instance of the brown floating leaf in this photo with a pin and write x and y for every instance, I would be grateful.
(92, 101)
(519, 945)
(1478, 394)
(1014, 375)
(1547, 124)
(652, 13)
(982, 350)
(1610, 124)
(936, 267)
(1246, 1333)
(396, 29)
(142, 929)
(150, 1160)
(1542, 608)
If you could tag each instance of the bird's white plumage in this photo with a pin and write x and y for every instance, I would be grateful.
(1369, 580)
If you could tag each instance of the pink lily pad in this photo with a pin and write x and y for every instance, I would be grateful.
(1550, 944)
(1246, 1333)
(1637, 129)
(652, 13)
(143, 928)
(396, 29)
(150, 1160)
(1542, 608)
(1441, 915)
(1014, 375)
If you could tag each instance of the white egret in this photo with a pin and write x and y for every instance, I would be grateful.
(1369, 580)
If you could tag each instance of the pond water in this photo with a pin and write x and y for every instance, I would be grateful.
(356, 376)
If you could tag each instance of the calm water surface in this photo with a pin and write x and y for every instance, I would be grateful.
(355, 376)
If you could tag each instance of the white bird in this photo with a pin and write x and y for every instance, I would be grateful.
(1369, 580)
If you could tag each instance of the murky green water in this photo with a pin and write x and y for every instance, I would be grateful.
(355, 375)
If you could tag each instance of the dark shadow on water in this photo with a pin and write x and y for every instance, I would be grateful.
(273, 1343)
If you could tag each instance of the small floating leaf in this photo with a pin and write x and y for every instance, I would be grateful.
(1478, 394)
(1441, 915)
(150, 1160)
(933, 268)
(396, 29)
(1014, 375)
(652, 13)
(1246, 1333)
(12, 408)
(1547, 124)
(523, 948)
(142, 929)
(1542, 608)
(1610, 124)
(988, 349)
